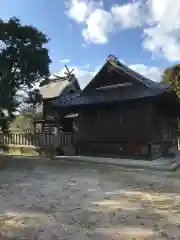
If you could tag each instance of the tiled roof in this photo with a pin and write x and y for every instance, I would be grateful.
(100, 97)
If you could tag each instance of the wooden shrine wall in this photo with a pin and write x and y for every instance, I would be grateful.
(48, 110)
(115, 130)
(163, 131)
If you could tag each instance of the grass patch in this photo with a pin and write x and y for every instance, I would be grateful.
(23, 150)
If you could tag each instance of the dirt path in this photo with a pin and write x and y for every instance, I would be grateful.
(85, 202)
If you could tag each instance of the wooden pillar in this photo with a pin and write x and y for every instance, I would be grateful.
(57, 127)
(149, 125)
(42, 126)
(50, 127)
(34, 127)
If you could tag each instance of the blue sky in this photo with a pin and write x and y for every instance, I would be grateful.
(85, 32)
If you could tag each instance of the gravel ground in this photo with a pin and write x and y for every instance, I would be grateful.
(82, 202)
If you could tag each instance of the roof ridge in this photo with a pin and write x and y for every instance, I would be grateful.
(127, 72)
(116, 64)
(119, 67)
(58, 79)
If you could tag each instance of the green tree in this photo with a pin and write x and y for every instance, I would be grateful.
(23, 122)
(171, 76)
(24, 62)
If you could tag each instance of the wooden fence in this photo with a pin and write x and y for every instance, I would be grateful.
(35, 139)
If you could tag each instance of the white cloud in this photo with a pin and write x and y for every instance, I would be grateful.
(99, 22)
(84, 76)
(97, 30)
(163, 36)
(127, 15)
(79, 10)
(65, 60)
(159, 20)
(153, 73)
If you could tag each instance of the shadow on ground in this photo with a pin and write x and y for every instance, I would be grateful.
(87, 201)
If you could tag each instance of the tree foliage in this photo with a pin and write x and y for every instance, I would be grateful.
(23, 122)
(24, 62)
(171, 76)
(34, 98)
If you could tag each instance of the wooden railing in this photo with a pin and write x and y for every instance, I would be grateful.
(35, 139)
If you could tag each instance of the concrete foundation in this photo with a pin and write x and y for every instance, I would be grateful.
(164, 164)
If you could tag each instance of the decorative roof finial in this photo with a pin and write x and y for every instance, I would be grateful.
(69, 74)
(111, 58)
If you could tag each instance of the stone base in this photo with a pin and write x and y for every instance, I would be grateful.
(164, 164)
(3, 161)
(69, 150)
